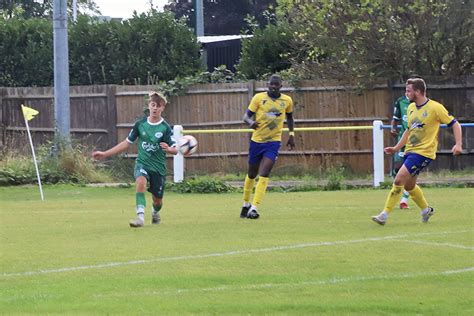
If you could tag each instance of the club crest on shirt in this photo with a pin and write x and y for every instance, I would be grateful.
(158, 134)
(425, 114)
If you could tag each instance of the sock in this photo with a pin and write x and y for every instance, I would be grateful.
(248, 188)
(418, 197)
(141, 204)
(405, 196)
(157, 208)
(260, 190)
(392, 198)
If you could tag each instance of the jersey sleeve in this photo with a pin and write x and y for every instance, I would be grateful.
(397, 115)
(254, 104)
(133, 135)
(444, 116)
(168, 137)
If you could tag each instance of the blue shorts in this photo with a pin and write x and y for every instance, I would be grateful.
(259, 150)
(415, 163)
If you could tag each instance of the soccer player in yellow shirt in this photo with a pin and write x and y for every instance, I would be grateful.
(266, 115)
(421, 142)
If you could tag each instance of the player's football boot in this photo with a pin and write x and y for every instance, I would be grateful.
(380, 219)
(244, 211)
(137, 222)
(404, 206)
(425, 215)
(253, 214)
(155, 218)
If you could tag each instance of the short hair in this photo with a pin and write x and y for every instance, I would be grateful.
(418, 84)
(275, 78)
(156, 97)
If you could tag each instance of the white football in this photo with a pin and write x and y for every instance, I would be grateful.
(187, 145)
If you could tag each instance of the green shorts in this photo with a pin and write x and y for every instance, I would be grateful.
(156, 181)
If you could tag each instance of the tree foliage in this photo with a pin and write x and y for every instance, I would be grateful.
(222, 17)
(142, 50)
(361, 40)
(39, 9)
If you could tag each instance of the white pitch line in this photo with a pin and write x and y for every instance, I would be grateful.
(439, 244)
(222, 254)
(335, 280)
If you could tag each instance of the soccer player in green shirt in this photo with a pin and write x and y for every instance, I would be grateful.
(400, 117)
(154, 142)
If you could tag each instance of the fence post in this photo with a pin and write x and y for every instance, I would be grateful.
(178, 159)
(378, 152)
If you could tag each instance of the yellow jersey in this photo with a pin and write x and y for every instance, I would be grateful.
(270, 115)
(423, 127)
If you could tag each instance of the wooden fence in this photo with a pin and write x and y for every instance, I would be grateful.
(102, 115)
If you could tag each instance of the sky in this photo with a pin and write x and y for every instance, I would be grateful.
(125, 8)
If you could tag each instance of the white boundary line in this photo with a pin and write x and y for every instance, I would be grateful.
(335, 280)
(439, 244)
(222, 254)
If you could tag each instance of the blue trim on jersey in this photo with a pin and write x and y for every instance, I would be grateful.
(452, 123)
(250, 113)
(259, 150)
(415, 163)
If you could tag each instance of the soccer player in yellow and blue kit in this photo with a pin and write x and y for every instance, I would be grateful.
(421, 142)
(154, 139)
(266, 115)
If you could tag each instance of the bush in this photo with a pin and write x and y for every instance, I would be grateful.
(73, 165)
(202, 185)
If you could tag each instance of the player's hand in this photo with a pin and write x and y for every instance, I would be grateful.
(98, 155)
(253, 124)
(390, 150)
(394, 132)
(164, 146)
(291, 142)
(456, 150)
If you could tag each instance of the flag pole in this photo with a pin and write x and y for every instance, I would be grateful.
(34, 158)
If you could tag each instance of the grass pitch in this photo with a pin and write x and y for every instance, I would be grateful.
(309, 253)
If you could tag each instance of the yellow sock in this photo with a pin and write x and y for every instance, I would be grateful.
(393, 197)
(417, 195)
(260, 190)
(248, 188)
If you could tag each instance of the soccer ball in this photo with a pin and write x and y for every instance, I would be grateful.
(187, 145)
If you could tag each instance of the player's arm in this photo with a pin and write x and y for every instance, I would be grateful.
(394, 128)
(168, 144)
(395, 119)
(291, 125)
(169, 149)
(248, 118)
(117, 149)
(457, 130)
(403, 140)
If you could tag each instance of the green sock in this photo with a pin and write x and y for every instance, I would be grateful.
(157, 208)
(140, 200)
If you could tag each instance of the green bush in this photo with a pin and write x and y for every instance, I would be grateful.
(73, 165)
(202, 185)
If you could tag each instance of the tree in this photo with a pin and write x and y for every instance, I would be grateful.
(29, 8)
(362, 40)
(222, 17)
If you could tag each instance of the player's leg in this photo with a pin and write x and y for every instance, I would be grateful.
(403, 175)
(255, 155)
(404, 200)
(415, 191)
(397, 160)
(266, 165)
(140, 201)
(157, 190)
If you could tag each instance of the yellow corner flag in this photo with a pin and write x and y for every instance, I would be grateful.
(28, 113)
